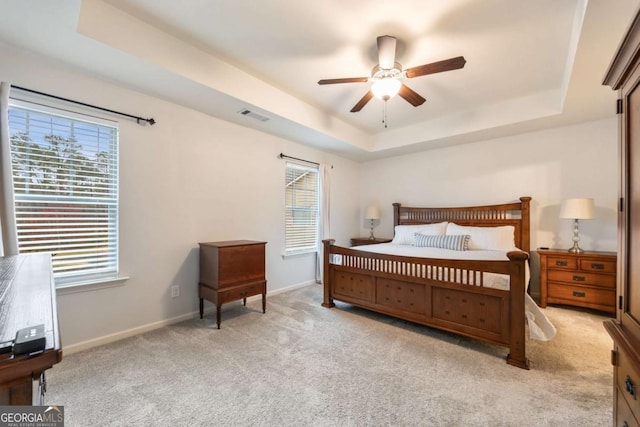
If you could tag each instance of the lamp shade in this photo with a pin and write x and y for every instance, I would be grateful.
(372, 213)
(386, 88)
(577, 209)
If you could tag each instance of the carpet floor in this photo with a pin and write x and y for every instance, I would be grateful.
(304, 365)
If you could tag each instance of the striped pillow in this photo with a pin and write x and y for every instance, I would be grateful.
(457, 242)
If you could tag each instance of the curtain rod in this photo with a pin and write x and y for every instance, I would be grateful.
(282, 156)
(140, 120)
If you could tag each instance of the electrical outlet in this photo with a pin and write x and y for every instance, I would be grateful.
(175, 291)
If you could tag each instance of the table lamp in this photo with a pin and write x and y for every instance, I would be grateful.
(372, 214)
(577, 209)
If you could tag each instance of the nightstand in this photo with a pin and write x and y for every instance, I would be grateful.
(359, 241)
(583, 280)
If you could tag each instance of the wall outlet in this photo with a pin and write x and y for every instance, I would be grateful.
(175, 291)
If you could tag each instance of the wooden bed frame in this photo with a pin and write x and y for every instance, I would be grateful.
(430, 291)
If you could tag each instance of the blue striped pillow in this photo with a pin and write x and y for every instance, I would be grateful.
(457, 242)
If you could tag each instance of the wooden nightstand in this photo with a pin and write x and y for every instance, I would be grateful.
(583, 280)
(359, 241)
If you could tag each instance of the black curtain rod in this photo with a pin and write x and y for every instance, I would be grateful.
(282, 156)
(140, 120)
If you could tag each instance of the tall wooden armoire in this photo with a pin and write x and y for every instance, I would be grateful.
(624, 76)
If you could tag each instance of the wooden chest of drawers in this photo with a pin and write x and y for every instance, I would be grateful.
(584, 280)
(230, 271)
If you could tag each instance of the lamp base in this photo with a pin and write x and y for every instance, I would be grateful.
(576, 238)
(576, 250)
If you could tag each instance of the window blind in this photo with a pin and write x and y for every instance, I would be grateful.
(65, 176)
(301, 208)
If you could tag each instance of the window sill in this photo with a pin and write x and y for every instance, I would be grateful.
(299, 253)
(91, 285)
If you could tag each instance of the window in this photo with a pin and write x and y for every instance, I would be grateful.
(301, 208)
(65, 178)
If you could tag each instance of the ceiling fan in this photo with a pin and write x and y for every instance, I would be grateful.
(387, 74)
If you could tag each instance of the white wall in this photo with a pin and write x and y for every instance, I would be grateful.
(189, 178)
(551, 165)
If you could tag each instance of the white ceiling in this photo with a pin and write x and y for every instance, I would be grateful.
(530, 64)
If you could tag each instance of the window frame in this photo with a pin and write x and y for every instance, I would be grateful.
(312, 168)
(110, 274)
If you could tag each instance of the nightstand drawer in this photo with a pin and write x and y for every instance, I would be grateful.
(565, 263)
(598, 266)
(580, 278)
(581, 295)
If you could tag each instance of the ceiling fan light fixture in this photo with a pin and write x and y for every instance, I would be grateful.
(386, 88)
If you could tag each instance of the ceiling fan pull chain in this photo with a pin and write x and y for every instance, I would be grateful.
(384, 114)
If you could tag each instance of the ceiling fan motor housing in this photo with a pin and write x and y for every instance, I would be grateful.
(378, 73)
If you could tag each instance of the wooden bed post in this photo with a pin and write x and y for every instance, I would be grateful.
(517, 341)
(396, 216)
(526, 224)
(326, 277)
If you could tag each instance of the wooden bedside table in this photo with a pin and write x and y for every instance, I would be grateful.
(359, 241)
(583, 280)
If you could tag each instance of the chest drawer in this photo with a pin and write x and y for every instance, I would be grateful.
(240, 292)
(628, 382)
(582, 278)
(562, 263)
(624, 416)
(598, 266)
(582, 295)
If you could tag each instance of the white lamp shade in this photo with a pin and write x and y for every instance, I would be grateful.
(577, 209)
(372, 213)
(386, 88)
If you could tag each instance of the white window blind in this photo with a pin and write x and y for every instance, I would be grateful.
(65, 177)
(301, 208)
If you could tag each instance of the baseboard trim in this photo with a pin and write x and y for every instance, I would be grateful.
(117, 336)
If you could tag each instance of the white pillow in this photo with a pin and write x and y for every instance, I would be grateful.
(404, 233)
(487, 238)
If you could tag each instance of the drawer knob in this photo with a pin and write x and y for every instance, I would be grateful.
(561, 263)
(578, 278)
(578, 294)
(596, 266)
(631, 387)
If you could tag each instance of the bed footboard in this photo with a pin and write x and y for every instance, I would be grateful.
(446, 294)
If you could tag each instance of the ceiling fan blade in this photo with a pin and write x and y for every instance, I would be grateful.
(386, 52)
(366, 98)
(347, 80)
(411, 96)
(436, 67)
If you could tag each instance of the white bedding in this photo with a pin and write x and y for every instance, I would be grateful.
(540, 328)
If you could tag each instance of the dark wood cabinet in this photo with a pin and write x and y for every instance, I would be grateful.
(359, 241)
(583, 280)
(27, 298)
(230, 271)
(624, 76)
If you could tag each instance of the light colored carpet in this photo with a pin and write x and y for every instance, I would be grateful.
(304, 365)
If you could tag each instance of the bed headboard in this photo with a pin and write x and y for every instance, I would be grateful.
(516, 214)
